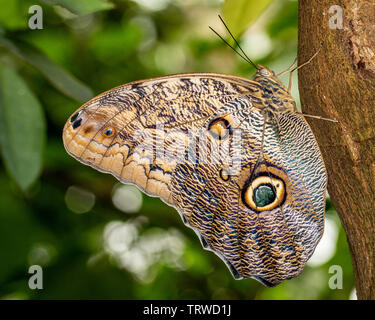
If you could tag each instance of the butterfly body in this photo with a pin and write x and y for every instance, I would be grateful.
(230, 154)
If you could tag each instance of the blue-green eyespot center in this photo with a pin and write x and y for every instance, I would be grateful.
(264, 195)
(108, 131)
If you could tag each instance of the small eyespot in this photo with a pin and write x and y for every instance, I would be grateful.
(77, 123)
(219, 128)
(264, 193)
(108, 132)
(224, 174)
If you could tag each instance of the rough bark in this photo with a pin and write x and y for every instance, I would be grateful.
(340, 84)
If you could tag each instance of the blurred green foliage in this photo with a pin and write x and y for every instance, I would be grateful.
(92, 46)
(242, 13)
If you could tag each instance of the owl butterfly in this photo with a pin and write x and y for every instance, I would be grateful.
(232, 155)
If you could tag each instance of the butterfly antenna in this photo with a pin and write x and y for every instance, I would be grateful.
(227, 43)
(243, 52)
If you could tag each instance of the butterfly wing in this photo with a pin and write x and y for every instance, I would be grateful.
(272, 242)
(203, 143)
(122, 130)
(291, 162)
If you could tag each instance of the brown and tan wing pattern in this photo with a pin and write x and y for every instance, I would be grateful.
(230, 154)
(138, 131)
(269, 244)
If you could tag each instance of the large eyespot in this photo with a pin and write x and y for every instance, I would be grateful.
(264, 193)
(219, 128)
(108, 132)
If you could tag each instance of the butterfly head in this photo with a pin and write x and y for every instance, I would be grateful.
(266, 76)
(264, 73)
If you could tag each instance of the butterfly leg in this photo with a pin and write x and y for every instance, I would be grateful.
(316, 117)
(291, 66)
(302, 65)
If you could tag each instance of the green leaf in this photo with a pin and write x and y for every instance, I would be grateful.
(22, 128)
(15, 14)
(82, 7)
(239, 14)
(62, 80)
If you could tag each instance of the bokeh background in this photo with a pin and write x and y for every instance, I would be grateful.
(96, 238)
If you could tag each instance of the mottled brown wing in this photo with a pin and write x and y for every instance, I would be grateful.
(125, 130)
(246, 176)
(270, 243)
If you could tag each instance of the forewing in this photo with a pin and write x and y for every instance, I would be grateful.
(149, 121)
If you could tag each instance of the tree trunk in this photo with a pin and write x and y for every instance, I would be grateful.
(340, 83)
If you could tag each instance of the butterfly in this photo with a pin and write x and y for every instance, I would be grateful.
(232, 155)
